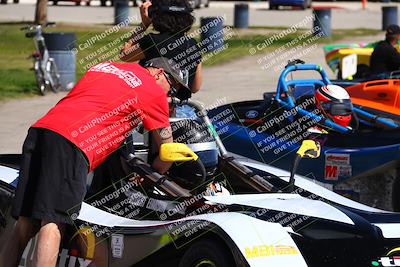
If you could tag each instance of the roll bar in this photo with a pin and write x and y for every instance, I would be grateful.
(288, 104)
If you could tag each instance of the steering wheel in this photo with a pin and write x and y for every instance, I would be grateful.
(190, 175)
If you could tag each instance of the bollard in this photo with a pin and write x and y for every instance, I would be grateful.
(121, 12)
(241, 17)
(389, 16)
(212, 35)
(62, 47)
(322, 22)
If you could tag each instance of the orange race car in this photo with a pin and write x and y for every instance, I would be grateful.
(381, 96)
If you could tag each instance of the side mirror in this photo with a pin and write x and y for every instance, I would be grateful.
(176, 152)
(309, 149)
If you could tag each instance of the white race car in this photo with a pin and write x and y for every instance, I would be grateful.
(211, 209)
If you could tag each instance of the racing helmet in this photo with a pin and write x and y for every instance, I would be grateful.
(335, 104)
(196, 136)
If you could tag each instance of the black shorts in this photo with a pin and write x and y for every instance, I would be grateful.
(52, 178)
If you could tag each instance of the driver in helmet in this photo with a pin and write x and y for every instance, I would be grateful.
(334, 104)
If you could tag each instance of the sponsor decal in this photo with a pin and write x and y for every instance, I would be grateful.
(392, 258)
(269, 251)
(72, 261)
(251, 114)
(127, 76)
(117, 245)
(337, 166)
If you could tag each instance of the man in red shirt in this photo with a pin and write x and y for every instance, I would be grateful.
(76, 136)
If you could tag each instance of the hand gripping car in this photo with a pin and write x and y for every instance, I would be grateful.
(359, 161)
(270, 217)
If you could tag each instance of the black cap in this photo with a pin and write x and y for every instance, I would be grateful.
(172, 69)
(393, 29)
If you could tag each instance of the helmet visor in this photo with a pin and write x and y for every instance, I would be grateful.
(338, 107)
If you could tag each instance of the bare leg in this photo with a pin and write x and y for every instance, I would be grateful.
(24, 229)
(48, 245)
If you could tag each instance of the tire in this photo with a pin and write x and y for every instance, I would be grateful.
(55, 2)
(54, 77)
(396, 192)
(103, 3)
(207, 253)
(3, 2)
(207, 4)
(339, 75)
(87, 3)
(273, 7)
(362, 71)
(15, 1)
(40, 81)
(78, 3)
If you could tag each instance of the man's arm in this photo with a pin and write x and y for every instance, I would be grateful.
(131, 51)
(162, 136)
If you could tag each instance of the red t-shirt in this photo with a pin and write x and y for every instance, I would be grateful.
(107, 103)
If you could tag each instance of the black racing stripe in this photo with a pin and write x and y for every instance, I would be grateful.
(326, 95)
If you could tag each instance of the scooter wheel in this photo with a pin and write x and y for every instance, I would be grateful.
(40, 82)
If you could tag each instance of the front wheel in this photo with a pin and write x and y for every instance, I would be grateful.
(207, 253)
(40, 81)
(362, 71)
(54, 77)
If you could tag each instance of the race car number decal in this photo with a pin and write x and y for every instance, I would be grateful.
(117, 245)
(337, 166)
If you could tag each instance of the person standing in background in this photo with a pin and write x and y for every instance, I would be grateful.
(172, 19)
(385, 57)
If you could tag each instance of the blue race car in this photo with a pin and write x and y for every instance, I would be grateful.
(360, 163)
